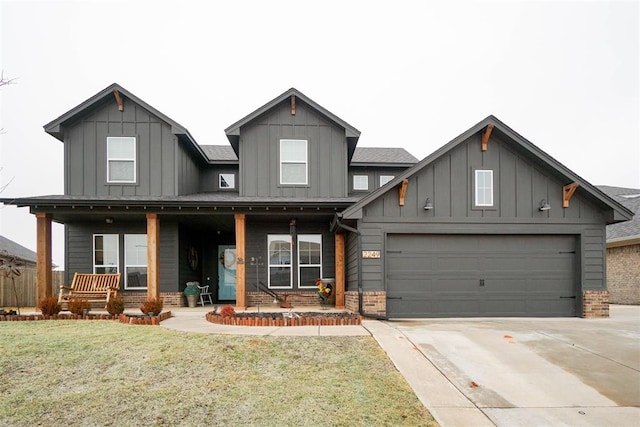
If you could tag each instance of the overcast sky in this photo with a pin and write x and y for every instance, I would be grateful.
(412, 74)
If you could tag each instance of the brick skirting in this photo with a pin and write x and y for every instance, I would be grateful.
(595, 304)
(170, 299)
(372, 302)
(296, 299)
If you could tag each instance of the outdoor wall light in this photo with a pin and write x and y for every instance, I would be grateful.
(544, 205)
(108, 220)
(428, 205)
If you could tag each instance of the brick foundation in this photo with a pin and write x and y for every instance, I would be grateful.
(623, 274)
(372, 302)
(170, 299)
(595, 304)
(296, 299)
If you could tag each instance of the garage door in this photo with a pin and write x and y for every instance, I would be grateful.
(480, 275)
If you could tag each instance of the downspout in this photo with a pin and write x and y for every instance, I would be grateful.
(359, 258)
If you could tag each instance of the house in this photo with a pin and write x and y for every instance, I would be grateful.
(623, 249)
(9, 250)
(487, 225)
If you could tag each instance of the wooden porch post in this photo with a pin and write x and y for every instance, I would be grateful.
(153, 256)
(241, 297)
(44, 281)
(339, 239)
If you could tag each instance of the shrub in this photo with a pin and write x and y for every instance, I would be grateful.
(49, 306)
(153, 306)
(78, 305)
(227, 311)
(115, 306)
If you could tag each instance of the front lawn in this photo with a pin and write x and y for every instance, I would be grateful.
(107, 373)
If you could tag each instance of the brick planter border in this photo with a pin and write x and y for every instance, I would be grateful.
(144, 320)
(319, 320)
(65, 316)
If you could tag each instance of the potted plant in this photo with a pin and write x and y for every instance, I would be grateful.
(192, 292)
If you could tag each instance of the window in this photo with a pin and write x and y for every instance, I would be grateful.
(361, 182)
(293, 162)
(279, 250)
(484, 188)
(135, 261)
(226, 181)
(121, 159)
(105, 253)
(385, 178)
(309, 259)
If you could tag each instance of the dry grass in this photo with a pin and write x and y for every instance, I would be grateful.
(106, 373)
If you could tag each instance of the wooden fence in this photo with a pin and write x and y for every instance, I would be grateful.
(26, 286)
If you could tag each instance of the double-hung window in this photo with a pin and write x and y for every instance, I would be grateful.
(121, 160)
(135, 261)
(361, 182)
(105, 253)
(309, 259)
(483, 187)
(279, 250)
(385, 178)
(294, 162)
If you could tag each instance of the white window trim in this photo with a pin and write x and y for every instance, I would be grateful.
(93, 254)
(289, 266)
(126, 276)
(306, 162)
(476, 187)
(220, 187)
(366, 186)
(134, 160)
(388, 178)
(301, 266)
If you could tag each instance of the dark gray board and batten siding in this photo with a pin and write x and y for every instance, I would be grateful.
(326, 154)
(520, 183)
(164, 166)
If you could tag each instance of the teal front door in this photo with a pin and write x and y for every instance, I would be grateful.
(226, 273)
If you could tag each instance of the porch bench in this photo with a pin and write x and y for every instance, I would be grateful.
(95, 288)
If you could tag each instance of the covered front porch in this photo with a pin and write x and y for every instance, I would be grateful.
(184, 243)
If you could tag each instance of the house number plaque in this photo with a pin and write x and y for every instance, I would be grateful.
(371, 254)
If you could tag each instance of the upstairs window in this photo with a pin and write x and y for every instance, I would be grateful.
(361, 182)
(385, 178)
(226, 181)
(121, 160)
(293, 162)
(484, 187)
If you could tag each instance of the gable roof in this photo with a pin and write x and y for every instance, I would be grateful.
(54, 128)
(620, 213)
(220, 153)
(628, 230)
(371, 156)
(233, 132)
(10, 248)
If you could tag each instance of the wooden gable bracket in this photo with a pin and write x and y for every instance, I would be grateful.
(293, 105)
(118, 99)
(402, 191)
(485, 137)
(567, 193)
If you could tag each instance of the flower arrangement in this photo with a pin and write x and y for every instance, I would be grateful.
(325, 289)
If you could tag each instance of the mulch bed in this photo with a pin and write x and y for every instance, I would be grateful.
(133, 319)
(286, 319)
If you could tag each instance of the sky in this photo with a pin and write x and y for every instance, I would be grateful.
(411, 74)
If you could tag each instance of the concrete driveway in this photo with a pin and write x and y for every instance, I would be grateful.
(534, 372)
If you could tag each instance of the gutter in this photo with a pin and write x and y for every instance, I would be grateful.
(359, 250)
